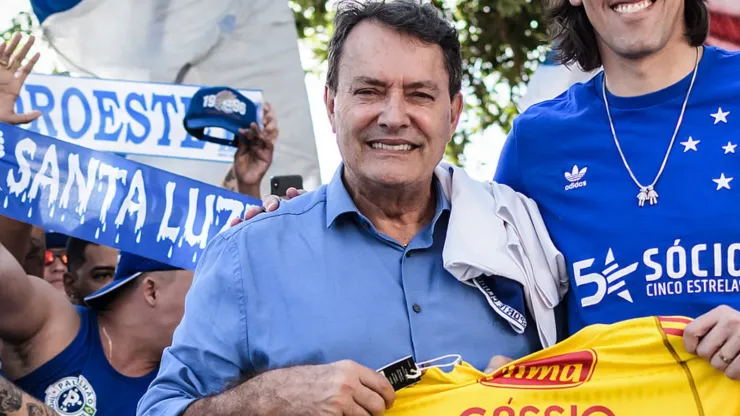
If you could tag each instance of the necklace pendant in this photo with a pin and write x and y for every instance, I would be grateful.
(647, 193)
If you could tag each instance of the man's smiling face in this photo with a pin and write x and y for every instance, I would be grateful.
(634, 28)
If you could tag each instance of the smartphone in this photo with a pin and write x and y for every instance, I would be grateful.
(279, 184)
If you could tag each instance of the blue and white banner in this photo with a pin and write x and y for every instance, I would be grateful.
(234, 43)
(104, 198)
(124, 117)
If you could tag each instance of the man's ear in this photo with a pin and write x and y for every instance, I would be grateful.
(455, 112)
(329, 100)
(69, 282)
(150, 290)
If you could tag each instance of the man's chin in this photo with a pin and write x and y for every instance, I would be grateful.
(635, 51)
(57, 283)
(389, 176)
(392, 178)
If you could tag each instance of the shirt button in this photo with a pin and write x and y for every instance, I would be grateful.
(416, 308)
(408, 254)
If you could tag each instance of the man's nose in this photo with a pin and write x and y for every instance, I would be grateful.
(58, 266)
(394, 115)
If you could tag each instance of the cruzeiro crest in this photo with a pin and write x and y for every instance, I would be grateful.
(226, 102)
(72, 396)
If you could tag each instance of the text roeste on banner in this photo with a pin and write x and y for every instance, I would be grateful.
(125, 117)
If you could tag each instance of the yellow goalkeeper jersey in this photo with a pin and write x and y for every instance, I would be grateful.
(636, 367)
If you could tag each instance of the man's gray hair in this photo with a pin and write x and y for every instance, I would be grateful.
(424, 22)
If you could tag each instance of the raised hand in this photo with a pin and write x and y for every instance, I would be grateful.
(254, 153)
(12, 76)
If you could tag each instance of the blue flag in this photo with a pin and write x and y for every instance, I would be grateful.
(109, 200)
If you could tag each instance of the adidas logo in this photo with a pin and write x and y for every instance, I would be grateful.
(574, 177)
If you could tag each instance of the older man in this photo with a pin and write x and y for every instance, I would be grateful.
(298, 308)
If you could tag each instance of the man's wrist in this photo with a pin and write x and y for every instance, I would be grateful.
(252, 190)
(250, 397)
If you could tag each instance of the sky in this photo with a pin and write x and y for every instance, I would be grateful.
(481, 154)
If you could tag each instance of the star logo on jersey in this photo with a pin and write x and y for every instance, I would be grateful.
(608, 281)
(72, 396)
(730, 148)
(722, 182)
(720, 116)
(574, 177)
(690, 144)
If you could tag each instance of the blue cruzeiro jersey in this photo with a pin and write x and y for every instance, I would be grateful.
(680, 256)
(81, 382)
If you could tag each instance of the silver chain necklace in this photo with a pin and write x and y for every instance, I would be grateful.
(647, 193)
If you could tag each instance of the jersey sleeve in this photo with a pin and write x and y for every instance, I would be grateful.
(209, 347)
(507, 170)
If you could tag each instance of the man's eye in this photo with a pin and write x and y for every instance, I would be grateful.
(422, 95)
(102, 276)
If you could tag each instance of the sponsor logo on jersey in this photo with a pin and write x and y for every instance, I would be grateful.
(72, 396)
(605, 282)
(678, 269)
(557, 372)
(529, 409)
(574, 177)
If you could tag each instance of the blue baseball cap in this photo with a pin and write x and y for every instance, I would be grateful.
(130, 266)
(220, 107)
(55, 240)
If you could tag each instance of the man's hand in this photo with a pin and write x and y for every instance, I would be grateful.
(341, 388)
(254, 153)
(12, 77)
(715, 336)
(497, 362)
(269, 204)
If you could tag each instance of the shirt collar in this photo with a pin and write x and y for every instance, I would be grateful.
(339, 202)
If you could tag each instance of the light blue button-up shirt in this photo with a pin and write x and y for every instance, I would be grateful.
(314, 282)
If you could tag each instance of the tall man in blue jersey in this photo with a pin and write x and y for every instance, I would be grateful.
(634, 171)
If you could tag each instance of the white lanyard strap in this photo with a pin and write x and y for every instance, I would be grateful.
(426, 365)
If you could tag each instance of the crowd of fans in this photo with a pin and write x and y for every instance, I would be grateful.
(133, 302)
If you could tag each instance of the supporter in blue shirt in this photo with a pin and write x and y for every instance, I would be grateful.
(634, 170)
(294, 311)
(82, 361)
